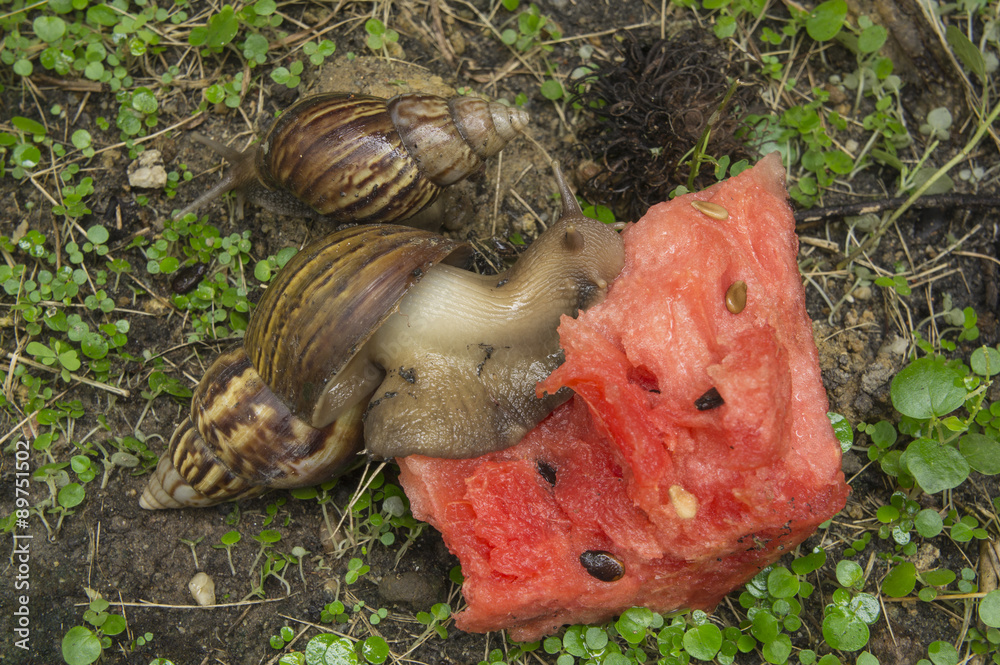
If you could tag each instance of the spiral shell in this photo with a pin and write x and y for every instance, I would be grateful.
(355, 158)
(241, 440)
(256, 416)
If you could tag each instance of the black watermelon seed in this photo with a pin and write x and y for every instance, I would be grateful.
(710, 400)
(602, 565)
(547, 471)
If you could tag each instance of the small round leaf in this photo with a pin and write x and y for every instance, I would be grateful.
(80, 646)
(781, 583)
(764, 627)
(810, 562)
(927, 388)
(81, 139)
(985, 361)
(777, 650)
(113, 625)
(872, 38)
(981, 452)
(900, 581)
(72, 495)
(826, 20)
(989, 609)
(942, 653)
(844, 632)
(928, 523)
(849, 573)
(49, 28)
(703, 641)
(329, 649)
(97, 234)
(375, 649)
(935, 466)
(552, 89)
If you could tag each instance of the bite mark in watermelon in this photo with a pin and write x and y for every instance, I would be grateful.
(697, 448)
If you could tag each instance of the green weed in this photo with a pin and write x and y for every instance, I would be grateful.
(379, 36)
(82, 645)
(952, 428)
(227, 542)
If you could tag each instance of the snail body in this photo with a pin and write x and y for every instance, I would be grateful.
(373, 338)
(356, 158)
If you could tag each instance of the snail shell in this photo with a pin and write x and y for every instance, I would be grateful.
(254, 421)
(355, 158)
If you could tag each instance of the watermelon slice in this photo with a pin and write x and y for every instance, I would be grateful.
(697, 448)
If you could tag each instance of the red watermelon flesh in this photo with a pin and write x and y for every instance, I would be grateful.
(691, 503)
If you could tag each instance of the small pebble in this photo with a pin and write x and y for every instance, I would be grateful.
(202, 587)
(147, 171)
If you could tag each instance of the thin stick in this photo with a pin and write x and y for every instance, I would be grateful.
(807, 218)
(357, 495)
(575, 38)
(144, 139)
(16, 427)
(76, 377)
(496, 196)
(242, 603)
(978, 256)
(528, 207)
(943, 596)
(948, 250)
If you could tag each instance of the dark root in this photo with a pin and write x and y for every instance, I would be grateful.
(653, 103)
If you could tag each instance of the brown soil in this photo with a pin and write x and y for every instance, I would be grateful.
(131, 556)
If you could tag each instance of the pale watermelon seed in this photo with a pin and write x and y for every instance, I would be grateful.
(685, 504)
(713, 210)
(736, 296)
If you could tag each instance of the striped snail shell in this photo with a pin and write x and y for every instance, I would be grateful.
(355, 158)
(373, 333)
(254, 420)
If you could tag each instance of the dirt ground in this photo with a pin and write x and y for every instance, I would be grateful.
(132, 556)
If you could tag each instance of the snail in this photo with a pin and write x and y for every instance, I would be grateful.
(373, 337)
(355, 158)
